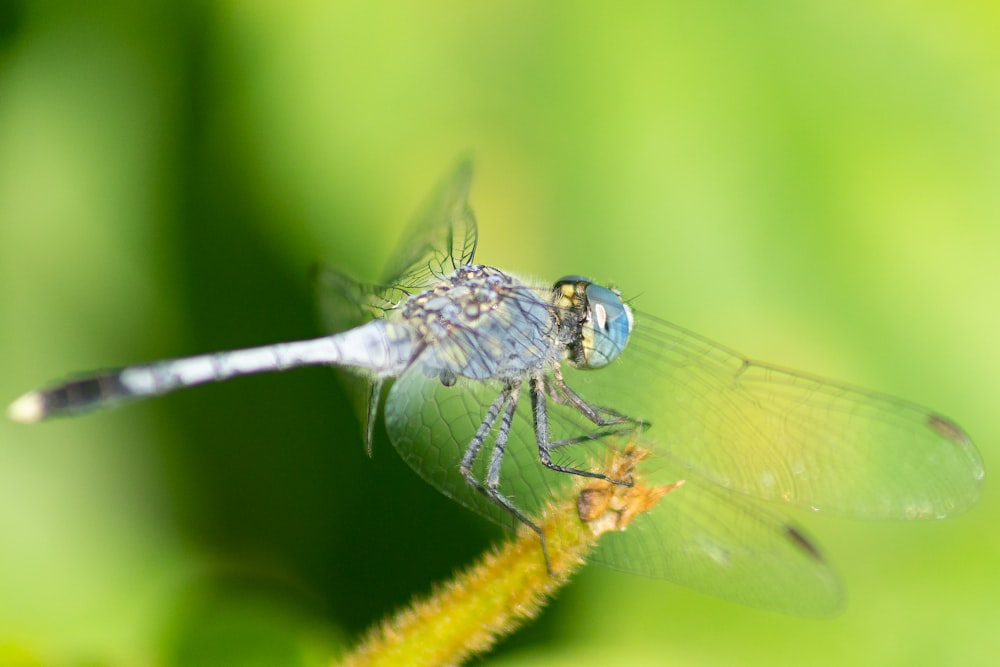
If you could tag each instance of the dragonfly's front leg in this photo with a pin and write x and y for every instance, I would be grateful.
(541, 416)
(620, 424)
(563, 394)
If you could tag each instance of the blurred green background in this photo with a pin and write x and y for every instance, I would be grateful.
(814, 183)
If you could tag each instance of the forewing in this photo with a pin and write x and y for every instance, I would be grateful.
(440, 238)
(785, 436)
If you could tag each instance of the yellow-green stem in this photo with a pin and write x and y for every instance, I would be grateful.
(510, 584)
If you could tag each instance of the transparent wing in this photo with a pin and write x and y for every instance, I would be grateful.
(785, 436)
(431, 425)
(699, 535)
(715, 542)
(345, 303)
(441, 237)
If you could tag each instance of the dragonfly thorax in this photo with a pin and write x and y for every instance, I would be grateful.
(482, 324)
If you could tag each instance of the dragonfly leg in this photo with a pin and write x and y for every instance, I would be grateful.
(478, 440)
(507, 403)
(541, 415)
(601, 416)
(622, 429)
(493, 475)
(371, 413)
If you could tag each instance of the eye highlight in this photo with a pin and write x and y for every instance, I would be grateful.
(600, 316)
(611, 324)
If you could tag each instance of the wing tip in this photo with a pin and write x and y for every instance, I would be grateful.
(957, 436)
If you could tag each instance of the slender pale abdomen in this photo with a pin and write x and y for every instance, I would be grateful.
(383, 349)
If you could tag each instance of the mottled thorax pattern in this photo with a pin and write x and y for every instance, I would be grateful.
(483, 323)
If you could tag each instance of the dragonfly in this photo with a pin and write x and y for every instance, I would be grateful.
(499, 390)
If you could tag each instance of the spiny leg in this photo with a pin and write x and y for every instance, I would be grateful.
(622, 429)
(541, 416)
(472, 451)
(493, 474)
(564, 395)
(506, 401)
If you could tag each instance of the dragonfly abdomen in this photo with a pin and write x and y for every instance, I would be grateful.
(383, 349)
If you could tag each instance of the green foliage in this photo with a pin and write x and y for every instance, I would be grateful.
(814, 183)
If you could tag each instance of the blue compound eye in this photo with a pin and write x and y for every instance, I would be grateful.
(610, 325)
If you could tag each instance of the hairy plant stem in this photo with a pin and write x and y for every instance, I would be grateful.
(509, 585)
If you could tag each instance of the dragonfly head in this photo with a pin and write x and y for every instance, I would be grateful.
(600, 323)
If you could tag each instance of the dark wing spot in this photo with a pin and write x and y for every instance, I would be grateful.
(948, 429)
(803, 543)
